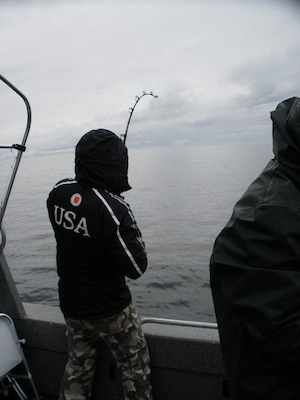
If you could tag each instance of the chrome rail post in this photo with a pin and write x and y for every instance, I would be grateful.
(20, 148)
(191, 324)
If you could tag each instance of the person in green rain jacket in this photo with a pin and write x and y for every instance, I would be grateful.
(255, 274)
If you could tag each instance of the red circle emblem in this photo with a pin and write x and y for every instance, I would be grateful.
(76, 199)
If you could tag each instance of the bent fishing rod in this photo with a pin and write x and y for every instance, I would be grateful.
(131, 110)
(20, 149)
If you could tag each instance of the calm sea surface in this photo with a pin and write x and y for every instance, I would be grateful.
(181, 197)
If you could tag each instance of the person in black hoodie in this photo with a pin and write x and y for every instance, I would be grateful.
(255, 274)
(98, 245)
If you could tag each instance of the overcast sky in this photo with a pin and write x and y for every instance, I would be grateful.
(219, 67)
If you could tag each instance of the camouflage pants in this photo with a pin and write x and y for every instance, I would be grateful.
(122, 333)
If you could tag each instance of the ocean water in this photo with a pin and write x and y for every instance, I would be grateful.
(181, 198)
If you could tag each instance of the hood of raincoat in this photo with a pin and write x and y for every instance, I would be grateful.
(286, 134)
(101, 161)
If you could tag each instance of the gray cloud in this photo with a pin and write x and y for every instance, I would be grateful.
(218, 68)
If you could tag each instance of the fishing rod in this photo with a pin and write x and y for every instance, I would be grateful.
(20, 149)
(131, 110)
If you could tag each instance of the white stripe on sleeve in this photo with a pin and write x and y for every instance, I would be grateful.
(114, 217)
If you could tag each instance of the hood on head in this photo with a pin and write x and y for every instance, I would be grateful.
(101, 160)
(286, 133)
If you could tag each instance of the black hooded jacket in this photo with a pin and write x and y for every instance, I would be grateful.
(255, 274)
(98, 241)
(101, 160)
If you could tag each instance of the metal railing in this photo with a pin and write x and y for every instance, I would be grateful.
(20, 148)
(191, 324)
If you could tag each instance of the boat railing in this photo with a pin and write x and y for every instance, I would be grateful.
(191, 324)
(20, 149)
